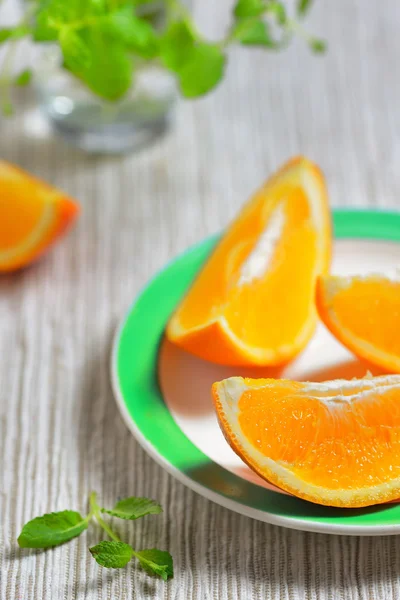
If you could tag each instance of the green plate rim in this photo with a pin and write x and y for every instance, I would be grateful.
(135, 384)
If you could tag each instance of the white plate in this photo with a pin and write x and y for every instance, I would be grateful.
(175, 421)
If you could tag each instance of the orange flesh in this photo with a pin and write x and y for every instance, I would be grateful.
(12, 229)
(22, 203)
(32, 215)
(342, 445)
(370, 309)
(244, 304)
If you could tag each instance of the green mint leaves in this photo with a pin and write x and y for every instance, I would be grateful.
(5, 34)
(76, 52)
(199, 65)
(112, 555)
(23, 78)
(54, 529)
(116, 555)
(202, 71)
(134, 33)
(156, 562)
(105, 67)
(253, 20)
(303, 6)
(317, 45)
(13, 33)
(133, 508)
(98, 40)
(253, 33)
(249, 8)
(176, 43)
(104, 42)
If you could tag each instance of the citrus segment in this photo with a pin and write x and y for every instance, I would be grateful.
(335, 443)
(363, 312)
(253, 301)
(32, 215)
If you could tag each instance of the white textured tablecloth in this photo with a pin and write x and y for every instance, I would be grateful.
(60, 432)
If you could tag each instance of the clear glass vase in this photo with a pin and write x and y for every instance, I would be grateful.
(98, 126)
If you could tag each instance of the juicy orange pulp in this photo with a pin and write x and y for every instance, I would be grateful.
(335, 443)
(253, 301)
(32, 215)
(363, 312)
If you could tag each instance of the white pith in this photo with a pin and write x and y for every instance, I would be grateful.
(333, 283)
(323, 391)
(259, 260)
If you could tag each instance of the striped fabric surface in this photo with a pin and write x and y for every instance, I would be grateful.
(60, 432)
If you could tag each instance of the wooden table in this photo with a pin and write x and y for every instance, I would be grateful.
(60, 432)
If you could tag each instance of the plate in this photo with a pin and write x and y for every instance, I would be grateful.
(163, 393)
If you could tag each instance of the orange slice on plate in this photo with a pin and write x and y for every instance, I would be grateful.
(363, 312)
(33, 215)
(335, 443)
(253, 303)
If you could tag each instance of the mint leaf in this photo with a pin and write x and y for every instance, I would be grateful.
(6, 33)
(95, 7)
(253, 33)
(176, 43)
(13, 33)
(60, 11)
(51, 16)
(199, 65)
(133, 508)
(112, 555)
(24, 78)
(303, 7)
(7, 108)
(75, 51)
(43, 29)
(142, 2)
(137, 34)
(156, 562)
(317, 46)
(249, 8)
(279, 11)
(52, 529)
(142, 38)
(108, 72)
(202, 70)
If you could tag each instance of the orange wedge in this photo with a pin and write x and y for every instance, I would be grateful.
(335, 443)
(253, 302)
(363, 312)
(33, 215)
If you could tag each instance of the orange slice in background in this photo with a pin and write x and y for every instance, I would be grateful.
(363, 312)
(33, 215)
(253, 303)
(335, 443)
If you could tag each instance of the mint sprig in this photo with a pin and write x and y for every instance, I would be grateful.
(116, 555)
(56, 528)
(103, 43)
